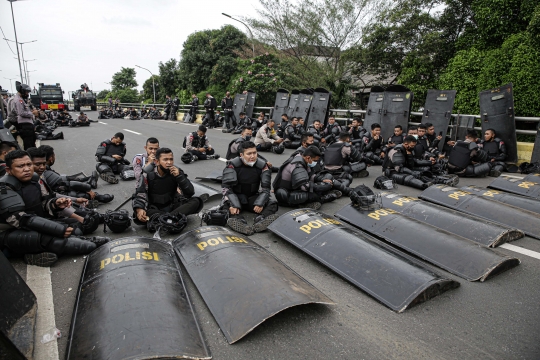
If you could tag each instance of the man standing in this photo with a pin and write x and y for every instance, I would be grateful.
(194, 108)
(25, 117)
(110, 156)
(246, 187)
(164, 190)
(168, 104)
(175, 104)
(210, 105)
(198, 145)
(227, 105)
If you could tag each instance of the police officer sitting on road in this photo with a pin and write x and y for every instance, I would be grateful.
(342, 159)
(81, 120)
(140, 161)
(282, 125)
(468, 159)
(244, 122)
(246, 187)
(496, 150)
(396, 139)
(110, 156)
(316, 130)
(164, 189)
(357, 132)
(268, 140)
(198, 145)
(5, 148)
(374, 145)
(291, 134)
(332, 131)
(233, 150)
(24, 207)
(133, 114)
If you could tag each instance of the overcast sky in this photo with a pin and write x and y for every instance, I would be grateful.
(88, 41)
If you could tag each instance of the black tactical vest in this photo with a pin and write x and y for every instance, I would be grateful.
(30, 192)
(491, 147)
(113, 149)
(248, 177)
(161, 190)
(461, 155)
(332, 154)
(397, 139)
(197, 141)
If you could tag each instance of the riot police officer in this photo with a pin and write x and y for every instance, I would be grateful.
(396, 138)
(374, 145)
(496, 150)
(291, 134)
(175, 103)
(357, 133)
(134, 114)
(268, 140)
(140, 161)
(110, 156)
(25, 117)
(164, 189)
(167, 109)
(316, 130)
(340, 158)
(227, 106)
(332, 131)
(24, 207)
(468, 159)
(245, 121)
(282, 125)
(233, 149)
(210, 105)
(246, 187)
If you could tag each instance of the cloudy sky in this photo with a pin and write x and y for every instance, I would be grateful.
(88, 41)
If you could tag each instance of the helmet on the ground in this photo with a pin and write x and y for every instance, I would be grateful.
(118, 221)
(384, 183)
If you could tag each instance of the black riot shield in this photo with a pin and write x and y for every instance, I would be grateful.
(518, 201)
(303, 104)
(497, 112)
(281, 105)
(529, 189)
(463, 124)
(293, 104)
(438, 111)
(441, 248)
(7, 136)
(132, 304)
(241, 283)
(393, 278)
(320, 104)
(215, 176)
(472, 228)
(250, 103)
(374, 109)
(201, 189)
(239, 105)
(532, 178)
(472, 204)
(536, 150)
(396, 110)
(18, 313)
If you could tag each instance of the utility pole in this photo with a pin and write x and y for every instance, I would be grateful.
(15, 30)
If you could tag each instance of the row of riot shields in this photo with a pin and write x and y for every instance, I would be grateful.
(244, 102)
(310, 104)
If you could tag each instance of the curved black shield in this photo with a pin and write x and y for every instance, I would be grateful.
(441, 248)
(536, 150)
(320, 104)
(294, 100)
(396, 111)
(239, 105)
(469, 227)
(7, 136)
(201, 189)
(463, 124)
(521, 202)
(497, 112)
(215, 176)
(469, 203)
(374, 110)
(132, 304)
(280, 105)
(18, 313)
(438, 111)
(525, 188)
(303, 104)
(393, 278)
(250, 103)
(532, 177)
(241, 283)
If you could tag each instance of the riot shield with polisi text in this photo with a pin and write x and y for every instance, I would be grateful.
(132, 304)
(497, 113)
(241, 283)
(529, 189)
(472, 228)
(525, 203)
(280, 105)
(438, 111)
(390, 276)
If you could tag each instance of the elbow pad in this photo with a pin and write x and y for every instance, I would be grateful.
(185, 185)
(44, 226)
(262, 199)
(229, 178)
(107, 159)
(322, 187)
(233, 200)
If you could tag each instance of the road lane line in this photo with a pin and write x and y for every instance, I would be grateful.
(223, 159)
(131, 131)
(39, 281)
(101, 122)
(521, 250)
(513, 176)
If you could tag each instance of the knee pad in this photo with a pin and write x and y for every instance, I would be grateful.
(23, 241)
(400, 178)
(298, 197)
(482, 169)
(103, 168)
(70, 246)
(358, 166)
(282, 196)
(79, 186)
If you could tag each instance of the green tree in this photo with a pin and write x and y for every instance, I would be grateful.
(169, 79)
(148, 89)
(124, 79)
(103, 94)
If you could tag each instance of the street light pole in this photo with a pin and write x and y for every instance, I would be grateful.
(22, 52)
(26, 68)
(153, 84)
(10, 83)
(252, 42)
(15, 30)
(28, 75)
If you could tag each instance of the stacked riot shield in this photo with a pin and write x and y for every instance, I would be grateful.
(497, 112)
(536, 150)
(374, 108)
(250, 103)
(239, 105)
(529, 204)
(18, 313)
(438, 111)
(320, 104)
(293, 104)
(132, 304)
(463, 124)
(303, 104)
(396, 109)
(281, 105)
(528, 189)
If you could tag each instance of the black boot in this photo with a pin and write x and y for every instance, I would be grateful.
(59, 136)
(104, 198)
(240, 224)
(93, 179)
(109, 177)
(331, 196)
(261, 222)
(98, 240)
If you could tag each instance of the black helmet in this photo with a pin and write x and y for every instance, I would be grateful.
(91, 222)
(384, 183)
(23, 89)
(187, 158)
(278, 149)
(364, 198)
(118, 221)
(167, 223)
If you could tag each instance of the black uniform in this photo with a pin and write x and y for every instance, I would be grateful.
(373, 148)
(291, 136)
(357, 135)
(134, 115)
(175, 104)
(23, 206)
(468, 160)
(210, 105)
(331, 133)
(344, 161)
(227, 106)
(496, 150)
(245, 122)
(107, 164)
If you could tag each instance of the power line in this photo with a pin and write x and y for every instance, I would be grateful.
(4, 35)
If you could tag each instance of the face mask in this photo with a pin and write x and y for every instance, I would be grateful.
(247, 137)
(248, 163)
(312, 165)
(415, 136)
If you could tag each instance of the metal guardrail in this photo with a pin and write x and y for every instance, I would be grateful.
(335, 112)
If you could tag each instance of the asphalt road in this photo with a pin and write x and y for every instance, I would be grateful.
(497, 319)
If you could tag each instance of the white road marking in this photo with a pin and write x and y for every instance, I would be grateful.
(131, 131)
(223, 159)
(39, 281)
(513, 176)
(521, 250)
(101, 122)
